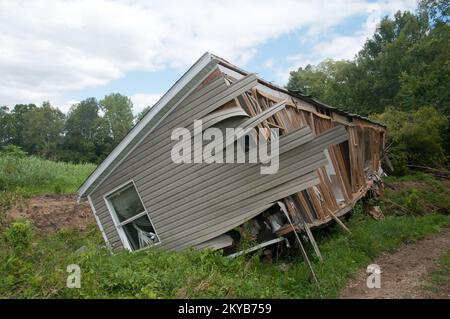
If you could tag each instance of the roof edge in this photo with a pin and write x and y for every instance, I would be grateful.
(305, 98)
(166, 98)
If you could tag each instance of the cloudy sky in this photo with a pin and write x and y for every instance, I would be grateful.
(65, 51)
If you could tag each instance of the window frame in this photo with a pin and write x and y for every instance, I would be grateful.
(119, 225)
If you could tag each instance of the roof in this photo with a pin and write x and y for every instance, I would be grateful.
(177, 93)
(297, 94)
(151, 119)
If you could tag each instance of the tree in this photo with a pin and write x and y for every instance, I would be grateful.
(18, 115)
(43, 131)
(6, 127)
(333, 82)
(12, 151)
(437, 11)
(142, 113)
(403, 66)
(118, 110)
(310, 80)
(87, 135)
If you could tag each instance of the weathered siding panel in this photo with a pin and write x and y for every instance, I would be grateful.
(141, 163)
(209, 199)
(154, 150)
(203, 214)
(121, 174)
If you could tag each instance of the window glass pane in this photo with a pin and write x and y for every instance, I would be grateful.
(140, 233)
(126, 203)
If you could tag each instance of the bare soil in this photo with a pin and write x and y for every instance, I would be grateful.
(403, 273)
(50, 213)
(408, 185)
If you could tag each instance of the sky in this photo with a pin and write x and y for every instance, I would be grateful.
(64, 51)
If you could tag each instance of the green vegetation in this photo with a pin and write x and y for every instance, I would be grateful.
(402, 73)
(405, 64)
(118, 113)
(414, 137)
(419, 194)
(19, 236)
(83, 135)
(35, 176)
(438, 281)
(33, 265)
(41, 272)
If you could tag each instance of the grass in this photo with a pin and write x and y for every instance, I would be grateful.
(39, 269)
(33, 265)
(30, 176)
(438, 280)
(419, 194)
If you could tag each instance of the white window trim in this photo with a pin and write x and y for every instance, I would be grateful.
(119, 225)
(99, 224)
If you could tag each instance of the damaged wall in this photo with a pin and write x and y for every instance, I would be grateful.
(326, 159)
(352, 164)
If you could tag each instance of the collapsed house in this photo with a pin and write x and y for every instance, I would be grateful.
(328, 160)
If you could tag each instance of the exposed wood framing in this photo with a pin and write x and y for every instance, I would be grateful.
(350, 160)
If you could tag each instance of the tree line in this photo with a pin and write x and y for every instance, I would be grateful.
(88, 133)
(401, 77)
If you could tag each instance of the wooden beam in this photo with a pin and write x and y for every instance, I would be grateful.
(338, 221)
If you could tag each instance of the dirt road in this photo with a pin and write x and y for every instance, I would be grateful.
(403, 273)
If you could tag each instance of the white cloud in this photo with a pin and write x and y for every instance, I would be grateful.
(339, 47)
(66, 105)
(142, 100)
(51, 47)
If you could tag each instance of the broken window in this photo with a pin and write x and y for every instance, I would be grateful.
(132, 220)
(334, 180)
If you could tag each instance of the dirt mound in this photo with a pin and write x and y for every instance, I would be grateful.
(403, 272)
(50, 213)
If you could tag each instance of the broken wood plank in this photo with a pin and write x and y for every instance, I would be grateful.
(305, 226)
(302, 249)
(339, 222)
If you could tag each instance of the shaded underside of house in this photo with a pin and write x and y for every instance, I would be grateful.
(328, 161)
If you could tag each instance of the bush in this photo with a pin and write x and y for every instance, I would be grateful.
(19, 235)
(12, 151)
(7, 201)
(416, 137)
(412, 201)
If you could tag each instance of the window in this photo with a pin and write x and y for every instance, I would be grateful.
(131, 218)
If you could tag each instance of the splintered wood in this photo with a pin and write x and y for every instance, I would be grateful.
(345, 179)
